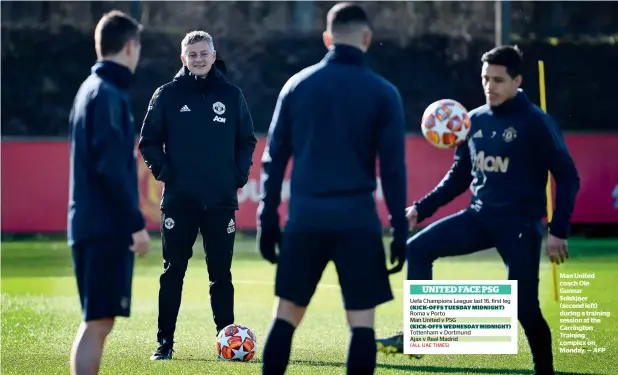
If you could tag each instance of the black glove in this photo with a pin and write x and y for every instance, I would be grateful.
(398, 247)
(268, 240)
(398, 256)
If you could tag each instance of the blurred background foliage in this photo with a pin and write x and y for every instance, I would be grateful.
(429, 50)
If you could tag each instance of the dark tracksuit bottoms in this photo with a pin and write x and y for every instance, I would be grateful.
(518, 242)
(203, 159)
(508, 204)
(179, 227)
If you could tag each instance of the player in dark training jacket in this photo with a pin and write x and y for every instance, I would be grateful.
(105, 225)
(334, 118)
(511, 147)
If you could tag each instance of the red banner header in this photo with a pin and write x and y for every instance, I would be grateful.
(35, 183)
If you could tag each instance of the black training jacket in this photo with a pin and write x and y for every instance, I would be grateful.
(198, 139)
(336, 119)
(103, 191)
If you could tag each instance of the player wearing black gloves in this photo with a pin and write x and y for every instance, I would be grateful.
(334, 118)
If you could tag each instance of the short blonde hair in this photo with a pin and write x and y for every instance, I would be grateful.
(197, 36)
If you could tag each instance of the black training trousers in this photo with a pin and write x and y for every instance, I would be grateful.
(179, 229)
(518, 242)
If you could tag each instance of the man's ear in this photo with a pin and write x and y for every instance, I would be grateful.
(130, 48)
(327, 39)
(518, 80)
(183, 59)
(367, 36)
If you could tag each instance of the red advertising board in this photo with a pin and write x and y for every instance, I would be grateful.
(35, 183)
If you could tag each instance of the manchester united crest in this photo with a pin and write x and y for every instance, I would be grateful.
(509, 134)
(218, 108)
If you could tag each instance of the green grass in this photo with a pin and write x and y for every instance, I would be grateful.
(40, 314)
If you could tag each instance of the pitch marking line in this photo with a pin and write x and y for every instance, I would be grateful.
(270, 283)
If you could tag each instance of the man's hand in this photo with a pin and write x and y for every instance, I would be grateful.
(398, 255)
(267, 242)
(400, 233)
(398, 245)
(412, 215)
(141, 240)
(556, 249)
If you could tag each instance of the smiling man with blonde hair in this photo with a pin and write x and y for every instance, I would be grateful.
(197, 138)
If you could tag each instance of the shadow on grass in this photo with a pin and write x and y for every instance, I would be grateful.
(55, 260)
(211, 360)
(483, 370)
(39, 257)
(441, 369)
(428, 369)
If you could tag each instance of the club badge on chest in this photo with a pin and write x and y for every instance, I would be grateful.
(509, 134)
(219, 109)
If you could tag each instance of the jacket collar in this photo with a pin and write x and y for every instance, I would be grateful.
(519, 101)
(220, 65)
(341, 53)
(198, 83)
(119, 75)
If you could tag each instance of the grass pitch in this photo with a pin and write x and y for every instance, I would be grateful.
(40, 315)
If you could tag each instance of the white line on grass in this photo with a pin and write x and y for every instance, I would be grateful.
(270, 283)
(544, 270)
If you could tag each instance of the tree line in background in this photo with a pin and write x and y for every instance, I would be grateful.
(257, 19)
(47, 50)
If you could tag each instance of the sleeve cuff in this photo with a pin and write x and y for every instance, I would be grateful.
(421, 209)
(136, 221)
(267, 217)
(560, 231)
(163, 175)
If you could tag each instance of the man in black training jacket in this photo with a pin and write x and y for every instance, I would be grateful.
(334, 119)
(198, 139)
(105, 224)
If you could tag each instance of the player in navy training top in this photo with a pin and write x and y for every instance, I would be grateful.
(105, 225)
(334, 118)
(511, 147)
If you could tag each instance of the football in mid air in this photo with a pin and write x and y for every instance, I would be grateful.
(236, 343)
(445, 123)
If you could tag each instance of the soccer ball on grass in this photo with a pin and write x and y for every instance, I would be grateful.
(236, 343)
(445, 123)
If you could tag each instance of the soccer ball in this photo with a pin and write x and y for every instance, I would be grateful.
(445, 123)
(236, 343)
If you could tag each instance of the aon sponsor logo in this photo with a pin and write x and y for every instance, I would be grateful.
(490, 163)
